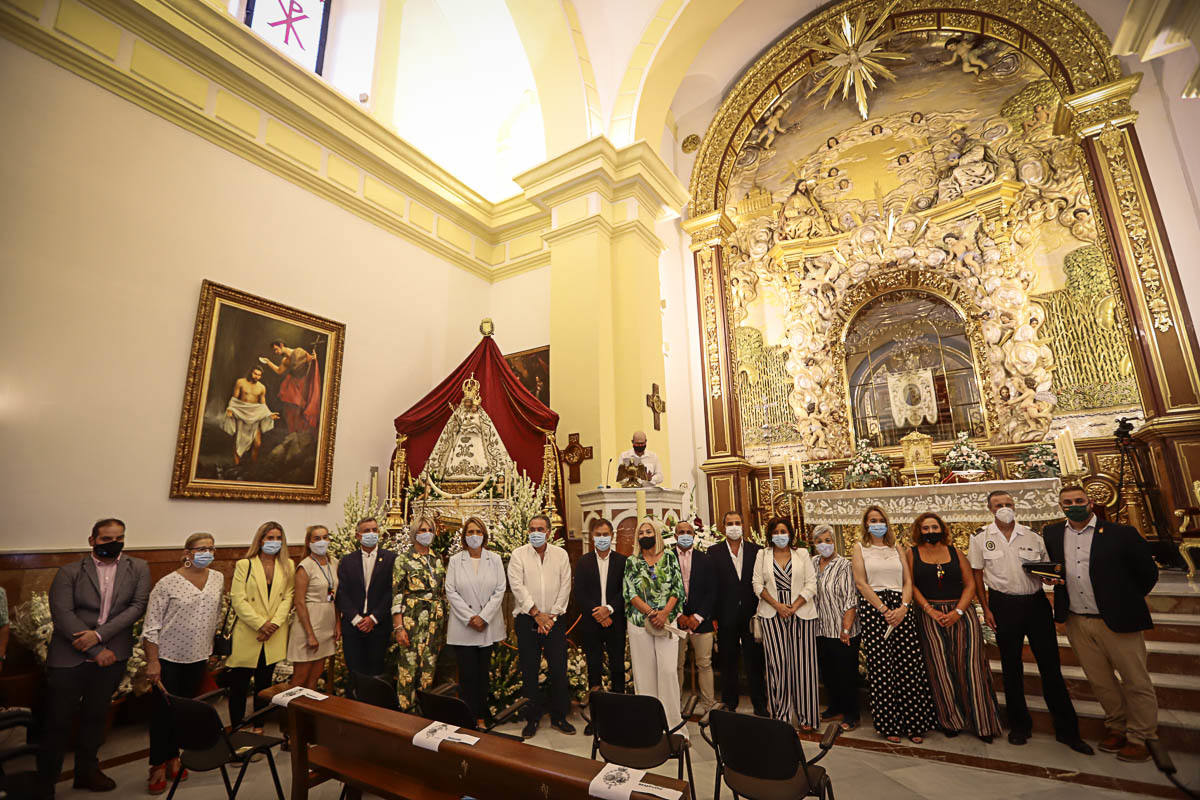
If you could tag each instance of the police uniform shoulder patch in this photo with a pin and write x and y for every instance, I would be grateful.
(979, 530)
(991, 545)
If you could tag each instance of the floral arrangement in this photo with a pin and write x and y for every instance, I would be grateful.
(512, 529)
(33, 627)
(866, 466)
(816, 477)
(1038, 461)
(965, 457)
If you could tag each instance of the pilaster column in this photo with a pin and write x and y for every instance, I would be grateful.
(726, 467)
(1164, 346)
(605, 324)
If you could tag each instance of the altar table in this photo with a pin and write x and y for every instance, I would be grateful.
(1036, 500)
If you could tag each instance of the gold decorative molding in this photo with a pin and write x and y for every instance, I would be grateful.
(1056, 34)
(1086, 113)
(708, 230)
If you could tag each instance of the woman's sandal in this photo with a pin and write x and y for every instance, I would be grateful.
(849, 726)
(893, 739)
(156, 782)
(916, 739)
(174, 767)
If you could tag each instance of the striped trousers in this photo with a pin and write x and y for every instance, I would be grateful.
(790, 647)
(959, 675)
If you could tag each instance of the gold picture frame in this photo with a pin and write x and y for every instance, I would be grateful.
(260, 401)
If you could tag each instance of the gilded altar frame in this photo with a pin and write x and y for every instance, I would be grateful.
(1094, 106)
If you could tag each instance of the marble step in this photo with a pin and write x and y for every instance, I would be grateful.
(1176, 658)
(1168, 627)
(1177, 729)
(1181, 692)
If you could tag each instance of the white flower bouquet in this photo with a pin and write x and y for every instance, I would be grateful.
(1038, 461)
(866, 466)
(816, 477)
(966, 457)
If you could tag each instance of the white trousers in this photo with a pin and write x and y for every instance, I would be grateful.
(654, 660)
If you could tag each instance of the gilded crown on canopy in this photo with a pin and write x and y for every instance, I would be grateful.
(470, 388)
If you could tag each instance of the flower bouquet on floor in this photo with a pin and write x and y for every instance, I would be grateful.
(1038, 461)
(966, 462)
(867, 468)
(816, 477)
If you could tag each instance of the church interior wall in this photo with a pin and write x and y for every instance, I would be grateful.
(112, 218)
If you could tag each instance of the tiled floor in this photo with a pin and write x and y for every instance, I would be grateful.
(856, 772)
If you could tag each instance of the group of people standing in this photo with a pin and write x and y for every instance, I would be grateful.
(789, 618)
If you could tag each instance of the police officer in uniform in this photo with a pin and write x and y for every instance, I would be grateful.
(1015, 607)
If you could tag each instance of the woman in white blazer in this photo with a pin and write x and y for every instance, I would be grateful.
(475, 586)
(786, 585)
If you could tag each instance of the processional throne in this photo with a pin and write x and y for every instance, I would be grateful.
(461, 450)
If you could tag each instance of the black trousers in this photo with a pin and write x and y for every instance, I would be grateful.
(1029, 616)
(87, 688)
(838, 666)
(366, 652)
(474, 673)
(181, 680)
(735, 640)
(531, 647)
(600, 644)
(239, 686)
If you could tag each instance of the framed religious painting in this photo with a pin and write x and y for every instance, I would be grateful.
(260, 401)
(533, 370)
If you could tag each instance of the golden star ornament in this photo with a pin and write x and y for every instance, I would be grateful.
(855, 58)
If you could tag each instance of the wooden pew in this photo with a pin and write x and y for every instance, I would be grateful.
(371, 750)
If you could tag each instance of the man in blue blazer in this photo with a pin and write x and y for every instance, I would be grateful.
(364, 601)
(699, 599)
(1109, 571)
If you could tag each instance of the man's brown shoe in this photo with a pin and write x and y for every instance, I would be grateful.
(95, 781)
(1133, 752)
(1112, 742)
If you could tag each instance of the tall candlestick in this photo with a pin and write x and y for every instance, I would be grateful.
(641, 504)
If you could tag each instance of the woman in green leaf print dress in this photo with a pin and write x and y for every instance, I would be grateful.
(418, 612)
(653, 590)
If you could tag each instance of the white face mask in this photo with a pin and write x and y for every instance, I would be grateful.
(474, 540)
(424, 538)
(733, 532)
(825, 549)
(1006, 515)
(319, 547)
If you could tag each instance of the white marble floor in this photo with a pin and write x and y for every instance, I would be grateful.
(856, 772)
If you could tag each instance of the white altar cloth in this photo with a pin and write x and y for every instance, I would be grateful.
(1036, 500)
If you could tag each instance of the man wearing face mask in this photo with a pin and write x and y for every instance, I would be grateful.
(732, 564)
(94, 604)
(539, 575)
(699, 598)
(598, 575)
(1016, 608)
(1109, 572)
(364, 600)
(638, 454)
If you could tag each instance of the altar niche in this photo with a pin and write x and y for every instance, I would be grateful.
(909, 366)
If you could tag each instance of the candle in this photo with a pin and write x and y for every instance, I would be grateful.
(1071, 453)
(641, 504)
(1058, 453)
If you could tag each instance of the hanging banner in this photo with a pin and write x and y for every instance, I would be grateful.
(297, 28)
(912, 397)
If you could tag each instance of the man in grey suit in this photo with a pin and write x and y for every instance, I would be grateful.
(94, 604)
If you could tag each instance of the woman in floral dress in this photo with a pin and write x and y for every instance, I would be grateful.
(418, 613)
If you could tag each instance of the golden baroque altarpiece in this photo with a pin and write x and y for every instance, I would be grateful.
(985, 239)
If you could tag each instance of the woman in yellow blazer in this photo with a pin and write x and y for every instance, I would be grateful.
(261, 594)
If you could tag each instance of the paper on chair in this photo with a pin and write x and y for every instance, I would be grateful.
(432, 735)
(615, 782)
(285, 697)
(659, 791)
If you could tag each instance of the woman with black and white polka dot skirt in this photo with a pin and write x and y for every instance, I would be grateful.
(901, 700)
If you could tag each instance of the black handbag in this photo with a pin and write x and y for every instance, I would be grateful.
(223, 640)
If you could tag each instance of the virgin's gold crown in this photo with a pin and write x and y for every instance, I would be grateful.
(471, 391)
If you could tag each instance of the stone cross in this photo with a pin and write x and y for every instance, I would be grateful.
(657, 406)
(575, 454)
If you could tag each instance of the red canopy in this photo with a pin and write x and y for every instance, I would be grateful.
(520, 418)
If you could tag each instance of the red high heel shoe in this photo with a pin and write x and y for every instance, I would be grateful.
(156, 786)
(174, 768)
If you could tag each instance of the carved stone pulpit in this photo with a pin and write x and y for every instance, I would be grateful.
(620, 507)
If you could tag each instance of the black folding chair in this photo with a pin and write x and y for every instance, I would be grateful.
(205, 745)
(763, 759)
(632, 730)
(22, 783)
(444, 705)
(374, 691)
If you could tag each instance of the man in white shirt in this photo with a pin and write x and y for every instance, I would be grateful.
(540, 578)
(638, 454)
(1016, 608)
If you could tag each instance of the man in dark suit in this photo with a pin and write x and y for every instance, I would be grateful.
(696, 617)
(94, 603)
(598, 577)
(733, 565)
(364, 601)
(1109, 571)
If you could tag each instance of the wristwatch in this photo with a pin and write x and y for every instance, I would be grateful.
(960, 611)
(846, 631)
